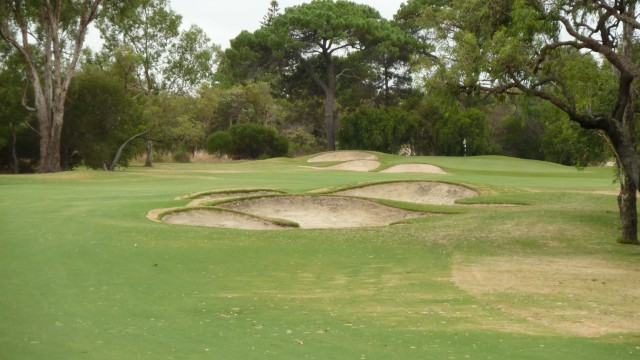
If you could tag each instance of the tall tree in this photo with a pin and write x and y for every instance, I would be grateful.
(57, 29)
(148, 27)
(537, 48)
(312, 36)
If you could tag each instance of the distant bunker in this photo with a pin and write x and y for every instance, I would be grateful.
(348, 208)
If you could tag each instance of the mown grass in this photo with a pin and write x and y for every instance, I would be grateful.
(84, 275)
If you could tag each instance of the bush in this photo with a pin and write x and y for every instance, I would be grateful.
(248, 141)
(220, 143)
(181, 154)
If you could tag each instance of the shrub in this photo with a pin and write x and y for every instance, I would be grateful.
(248, 141)
(220, 143)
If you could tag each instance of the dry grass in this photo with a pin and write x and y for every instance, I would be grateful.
(581, 296)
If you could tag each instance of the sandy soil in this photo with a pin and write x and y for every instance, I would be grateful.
(421, 192)
(228, 195)
(353, 165)
(343, 156)
(221, 219)
(571, 295)
(312, 212)
(414, 168)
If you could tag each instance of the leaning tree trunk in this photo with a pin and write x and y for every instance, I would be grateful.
(116, 159)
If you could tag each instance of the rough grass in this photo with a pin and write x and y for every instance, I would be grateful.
(85, 275)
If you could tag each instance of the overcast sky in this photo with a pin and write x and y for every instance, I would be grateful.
(223, 21)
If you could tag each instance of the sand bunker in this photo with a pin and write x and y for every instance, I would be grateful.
(353, 165)
(343, 156)
(313, 212)
(229, 195)
(268, 209)
(420, 192)
(221, 219)
(414, 168)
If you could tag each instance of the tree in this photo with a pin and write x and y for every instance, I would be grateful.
(248, 141)
(312, 37)
(159, 58)
(17, 138)
(470, 127)
(57, 30)
(375, 129)
(537, 48)
(100, 115)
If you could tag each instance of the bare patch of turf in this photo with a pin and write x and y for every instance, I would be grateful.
(572, 295)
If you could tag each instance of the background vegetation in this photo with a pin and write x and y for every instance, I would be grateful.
(394, 90)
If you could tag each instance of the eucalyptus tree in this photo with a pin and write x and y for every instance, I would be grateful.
(539, 48)
(55, 31)
(162, 58)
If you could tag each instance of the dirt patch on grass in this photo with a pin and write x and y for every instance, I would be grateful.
(343, 156)
(67, 175)
(420, 192)
(353, 165)
(414, 168)
(220, 219)
(314, 212)
(581, 296)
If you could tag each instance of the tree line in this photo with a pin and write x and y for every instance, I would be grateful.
(548, 80)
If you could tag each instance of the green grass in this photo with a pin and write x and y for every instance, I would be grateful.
(84, 275)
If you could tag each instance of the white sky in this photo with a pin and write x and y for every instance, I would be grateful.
(224, 20)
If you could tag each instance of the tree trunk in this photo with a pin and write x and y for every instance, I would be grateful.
(114, 163)
(14, 154)
(629, 174)
(329, 106)
(50, 159)
(628, 210)
(149, 161)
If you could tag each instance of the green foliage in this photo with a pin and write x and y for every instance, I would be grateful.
(220, 107)
(220, 142)
(385, 130)
(172, 122)
(100, 115)
(564, 142)
(167, 59)
(248, 141)
(302, 142)
(471, 126)
(182, 154)
(16, 122)
(522, 137)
